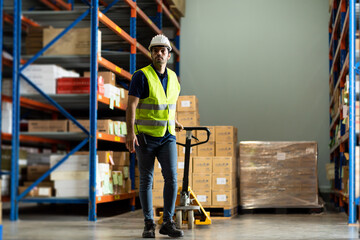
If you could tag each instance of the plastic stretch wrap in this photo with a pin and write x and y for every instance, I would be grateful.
(278, 175)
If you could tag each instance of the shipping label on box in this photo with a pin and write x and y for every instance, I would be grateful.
(202, 164)
(181, 151)
(225, 134)
(225, 149)
(206, 150)
(187, 104)
(202, 135)
(204, 197)
(181, 165)
(201, 181)
(224, 165)
(223, 181)
(226, 198)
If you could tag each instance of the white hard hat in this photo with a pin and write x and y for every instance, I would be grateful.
(160, 40)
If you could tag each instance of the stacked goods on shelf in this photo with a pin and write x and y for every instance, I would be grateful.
(177, 7)
(74, 42)
(224, 191)
(43, 76)
(6, 117)
(278, 174)
(48, 125)
(71, 179)
(79, 85)
(37, 165)
(188, 115)
(34, 40)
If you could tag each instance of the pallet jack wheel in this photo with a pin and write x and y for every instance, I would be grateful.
(191, 220)
(178, 219)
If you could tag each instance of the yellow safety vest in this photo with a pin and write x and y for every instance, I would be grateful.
(156, 113)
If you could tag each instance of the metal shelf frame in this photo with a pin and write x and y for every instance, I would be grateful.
(343, 21)
(92, 136)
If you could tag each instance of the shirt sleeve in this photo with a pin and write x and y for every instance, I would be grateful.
(137, 83)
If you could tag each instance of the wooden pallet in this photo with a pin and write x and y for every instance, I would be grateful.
(222, 212)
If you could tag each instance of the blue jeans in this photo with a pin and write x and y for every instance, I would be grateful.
(166, 152)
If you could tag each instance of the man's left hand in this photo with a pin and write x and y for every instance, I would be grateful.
(178, 126)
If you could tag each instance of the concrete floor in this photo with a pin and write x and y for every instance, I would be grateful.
(129, 226)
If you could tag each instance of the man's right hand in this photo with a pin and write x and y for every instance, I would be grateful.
(131, 140)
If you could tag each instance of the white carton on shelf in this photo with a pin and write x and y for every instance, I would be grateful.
(72, 192)
(69, 175)
(73, 163)
(6, 117)
(71, 184)
(111, 91)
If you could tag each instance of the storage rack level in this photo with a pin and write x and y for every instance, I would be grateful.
(110, 58)
(342, 63)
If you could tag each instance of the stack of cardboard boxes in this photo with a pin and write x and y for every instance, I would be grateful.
(37, 165)
(108, 126)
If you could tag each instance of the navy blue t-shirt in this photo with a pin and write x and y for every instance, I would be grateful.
(139, 87)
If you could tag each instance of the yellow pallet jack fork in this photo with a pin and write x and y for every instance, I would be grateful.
(187, 202)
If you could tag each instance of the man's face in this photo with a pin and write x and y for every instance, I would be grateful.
(160, 55)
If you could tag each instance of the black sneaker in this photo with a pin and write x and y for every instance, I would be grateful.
(169, 228)
(149, 229)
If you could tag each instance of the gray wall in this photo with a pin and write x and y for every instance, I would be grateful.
(262, 66)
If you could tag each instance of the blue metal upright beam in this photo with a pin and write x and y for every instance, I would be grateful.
(93, 108)
(352, 98)
(132, 70)
(177, 44)
(14, 211)
(1, 67)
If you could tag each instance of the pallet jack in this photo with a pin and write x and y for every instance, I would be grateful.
(186, 202)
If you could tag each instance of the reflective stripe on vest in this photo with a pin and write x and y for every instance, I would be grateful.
(156, 113)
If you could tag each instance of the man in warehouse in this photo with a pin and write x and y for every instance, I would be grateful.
(151, 125)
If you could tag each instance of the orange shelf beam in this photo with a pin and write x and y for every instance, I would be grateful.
(143, 50)
(111, 198)
(32, 104)
(29, 22)
(148, 21)
(106, 101)
(60, 3)
(167, 13)
(112, 67)
(115, 28)
(8, 137)
(50, 5)
(110, 138)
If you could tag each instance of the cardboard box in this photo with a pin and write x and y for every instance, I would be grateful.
(225, 149)
(224, 164)
(158, 182)
(224, 198)
(202, 164)
(221, 181)
(181, 151)
(202, 135)
(37, 191)
(74, 42)
(189, 119)
(109, 77)
(201, 181)
(204, 197)
(103, 126)
(41, 184)
(206, 150)
(38, 125)
(36, 171)
(105, 157)
(158, 200)
(187, 104)
(181, 165)
(58, 125)
(121, 158)
(124, 169)
(225, 134)
(181, 137)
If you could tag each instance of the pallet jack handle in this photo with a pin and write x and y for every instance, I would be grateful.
(184, 199)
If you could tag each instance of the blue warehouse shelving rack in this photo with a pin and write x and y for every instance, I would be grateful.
(114, 20)
(343, 95)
